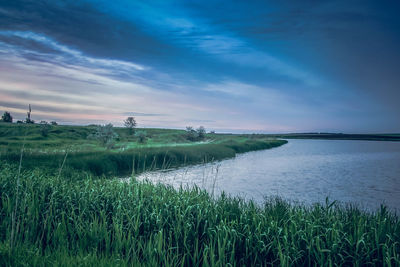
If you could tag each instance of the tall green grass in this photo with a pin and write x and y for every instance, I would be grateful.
(140, 159)
(71, 221)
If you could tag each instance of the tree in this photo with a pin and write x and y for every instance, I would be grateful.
(44, 128)
(106, 135)
(130, 123)
(7, 117)
(142, 136)
(191, 134)
(54, 123)
(201, 133)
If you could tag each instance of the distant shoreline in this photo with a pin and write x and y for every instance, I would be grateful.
(334, 136)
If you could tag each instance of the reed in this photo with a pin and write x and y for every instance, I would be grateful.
(111, 163)
(93, 221)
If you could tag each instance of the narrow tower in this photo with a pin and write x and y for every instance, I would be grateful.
(29, 113)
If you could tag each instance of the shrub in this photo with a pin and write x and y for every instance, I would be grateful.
(191, 134)
(142, 136)
(195, 135)
(106, 135)
(201, 133)
(44, 128)
(7, 117)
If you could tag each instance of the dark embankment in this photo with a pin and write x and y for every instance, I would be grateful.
(140, 159)
(59, 221)
(341, 136)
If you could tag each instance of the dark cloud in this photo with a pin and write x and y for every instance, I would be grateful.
(82, 26)
(79, 25)
(338, 60)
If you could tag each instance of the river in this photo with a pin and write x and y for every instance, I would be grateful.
(365, 173)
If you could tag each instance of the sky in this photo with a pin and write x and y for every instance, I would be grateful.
(230, 66)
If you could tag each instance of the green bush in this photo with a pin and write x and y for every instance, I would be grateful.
(141, 136)
(105, 134)
(44, 128)
(7, 117)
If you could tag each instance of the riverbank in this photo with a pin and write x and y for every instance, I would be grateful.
(57, 220)
(69, 148)
(112, 163)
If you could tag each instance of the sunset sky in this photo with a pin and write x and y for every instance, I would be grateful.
(240, 66)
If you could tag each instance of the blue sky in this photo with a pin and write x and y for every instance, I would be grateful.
(241, 66)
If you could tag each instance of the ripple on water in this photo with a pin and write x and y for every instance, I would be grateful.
(361, 172)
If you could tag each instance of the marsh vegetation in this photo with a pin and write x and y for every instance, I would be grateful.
(56, 220)
(58, 206)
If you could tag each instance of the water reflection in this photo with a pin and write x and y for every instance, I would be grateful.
(363, 172)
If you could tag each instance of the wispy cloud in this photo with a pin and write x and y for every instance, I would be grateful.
(247, 65)
(62, 55)
(179, 26)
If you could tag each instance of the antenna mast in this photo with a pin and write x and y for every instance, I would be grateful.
(29, 112)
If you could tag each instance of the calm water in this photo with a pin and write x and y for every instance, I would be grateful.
(362, 172)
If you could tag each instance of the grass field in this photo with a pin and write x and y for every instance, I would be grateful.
(59, 207)
(76, 138)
